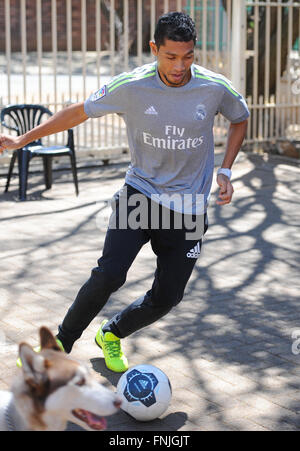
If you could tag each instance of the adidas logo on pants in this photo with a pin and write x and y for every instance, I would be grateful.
(194, 252)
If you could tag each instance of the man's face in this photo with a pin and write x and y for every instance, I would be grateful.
(174, 60)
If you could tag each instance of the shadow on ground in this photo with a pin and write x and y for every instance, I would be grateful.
(227, 346)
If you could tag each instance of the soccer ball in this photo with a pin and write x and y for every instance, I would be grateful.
(145, 391)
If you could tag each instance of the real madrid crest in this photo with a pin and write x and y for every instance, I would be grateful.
(200, 112)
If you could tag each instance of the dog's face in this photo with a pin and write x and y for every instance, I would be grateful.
(55, 389)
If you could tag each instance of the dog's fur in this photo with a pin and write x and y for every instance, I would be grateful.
(51, 390)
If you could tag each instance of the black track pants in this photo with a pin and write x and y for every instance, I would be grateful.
(176, 258)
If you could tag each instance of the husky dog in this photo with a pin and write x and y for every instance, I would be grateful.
(51, 390)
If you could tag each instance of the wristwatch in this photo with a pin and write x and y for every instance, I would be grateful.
(225, 171)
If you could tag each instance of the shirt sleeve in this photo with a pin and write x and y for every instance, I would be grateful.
(104, 102)
(233, 105)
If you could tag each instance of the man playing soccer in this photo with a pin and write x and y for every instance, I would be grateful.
(169, 109)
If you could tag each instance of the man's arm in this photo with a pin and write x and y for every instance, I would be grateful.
(236, 135)
(62, 120)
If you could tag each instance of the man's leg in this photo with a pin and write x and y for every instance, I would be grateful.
(176, 258)
(120, 250)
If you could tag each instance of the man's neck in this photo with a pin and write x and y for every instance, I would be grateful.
(173, 85)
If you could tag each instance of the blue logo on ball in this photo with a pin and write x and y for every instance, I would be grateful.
(140, 387)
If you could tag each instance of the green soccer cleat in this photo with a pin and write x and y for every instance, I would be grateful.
(115, 360)
(38, 349)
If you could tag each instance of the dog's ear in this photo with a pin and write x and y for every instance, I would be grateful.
(33, 366)
(47, 340)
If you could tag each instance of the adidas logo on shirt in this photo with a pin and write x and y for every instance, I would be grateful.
(151, 110)
(194, 252)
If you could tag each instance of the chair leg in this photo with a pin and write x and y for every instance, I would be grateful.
(47, 162)
(11, 168)
(24, 157)
(74, 171)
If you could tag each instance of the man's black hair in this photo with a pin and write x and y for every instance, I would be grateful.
(175, 26)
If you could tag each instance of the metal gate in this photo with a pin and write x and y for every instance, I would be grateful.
(270, 74)
(59, 51)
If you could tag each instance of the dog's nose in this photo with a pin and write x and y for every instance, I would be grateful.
(117, 403)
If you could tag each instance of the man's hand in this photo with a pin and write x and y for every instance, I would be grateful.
(8, 142)
(226, 190)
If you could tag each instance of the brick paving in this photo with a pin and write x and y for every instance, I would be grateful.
(227, 348)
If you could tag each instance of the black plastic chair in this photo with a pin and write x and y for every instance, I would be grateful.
(22, 118)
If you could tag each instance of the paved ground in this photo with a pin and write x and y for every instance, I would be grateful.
(227, 348)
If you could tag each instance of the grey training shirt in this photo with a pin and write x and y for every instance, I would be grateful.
(170, 130)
